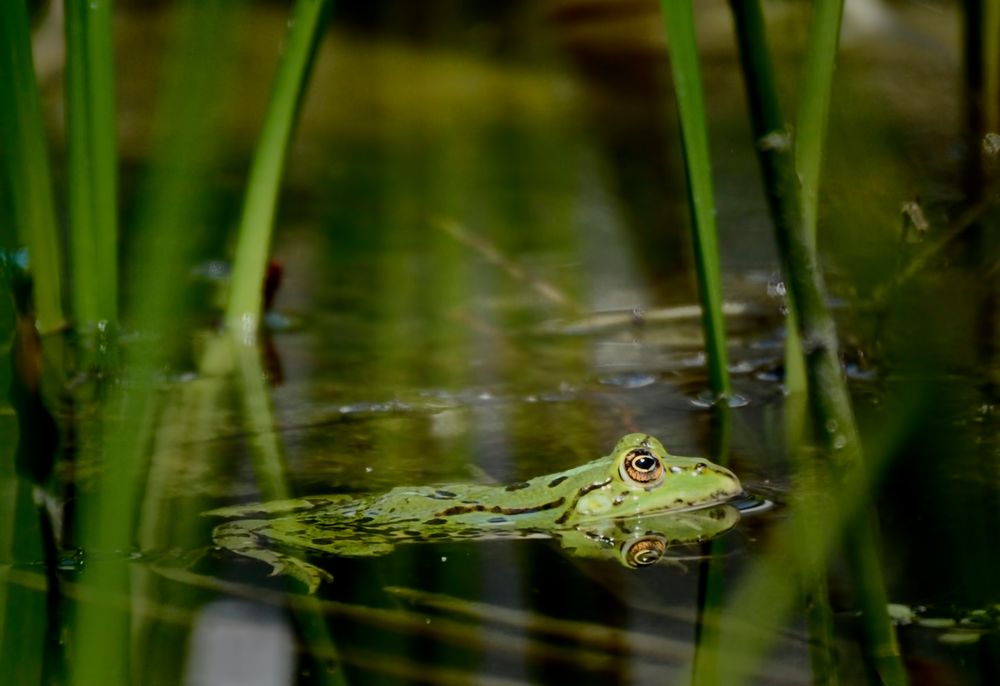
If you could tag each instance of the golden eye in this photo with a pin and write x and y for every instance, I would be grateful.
(644, 551)
(642, 467)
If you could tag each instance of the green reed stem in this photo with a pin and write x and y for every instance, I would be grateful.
(259, 205)
(712, 579)
(172, 202)
(990, 56)
(22, 138)
(831, 404)
(269, 467)
(679, 22)
(91, 124)
(773, 144)
(832, 411)
(814, 107)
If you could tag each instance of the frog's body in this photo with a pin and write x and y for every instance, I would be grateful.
(638, 478)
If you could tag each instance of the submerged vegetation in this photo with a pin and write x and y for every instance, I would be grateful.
(458, 254)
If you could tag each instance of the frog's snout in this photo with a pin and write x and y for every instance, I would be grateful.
(731, 486)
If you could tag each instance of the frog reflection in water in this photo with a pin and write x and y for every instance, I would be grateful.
(629, 505)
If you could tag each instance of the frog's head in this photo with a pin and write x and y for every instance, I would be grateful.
(643, 477)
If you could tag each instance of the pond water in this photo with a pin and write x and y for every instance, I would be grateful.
(486, 278)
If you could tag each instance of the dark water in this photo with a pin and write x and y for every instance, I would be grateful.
(409, 354)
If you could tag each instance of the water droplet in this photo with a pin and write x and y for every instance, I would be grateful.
(831, 425)
(444, 558)
(839, 441)
(369, 470)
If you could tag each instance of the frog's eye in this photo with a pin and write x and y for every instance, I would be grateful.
(641, 467)
(644, 551)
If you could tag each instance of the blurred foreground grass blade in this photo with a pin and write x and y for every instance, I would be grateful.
(766, 596)
(690, 103)
(170, 207)
(92, 182)
(26, 162)
(257, 221)
(24, 636)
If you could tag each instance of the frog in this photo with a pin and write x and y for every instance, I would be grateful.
(595, 509)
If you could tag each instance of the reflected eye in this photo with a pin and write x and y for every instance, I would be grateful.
(644, 551)
(641, 467)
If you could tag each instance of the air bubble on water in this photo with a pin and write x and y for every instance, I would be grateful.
(70, 561)
(444, 558)
(628, 380)
(704, 399)
(831, 425)
(707, 399)
(839, 441)
(737, 400)
(369, 470)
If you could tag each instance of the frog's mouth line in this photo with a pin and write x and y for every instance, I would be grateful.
(667, 509)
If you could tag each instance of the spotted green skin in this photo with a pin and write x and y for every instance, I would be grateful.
(575, 506)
